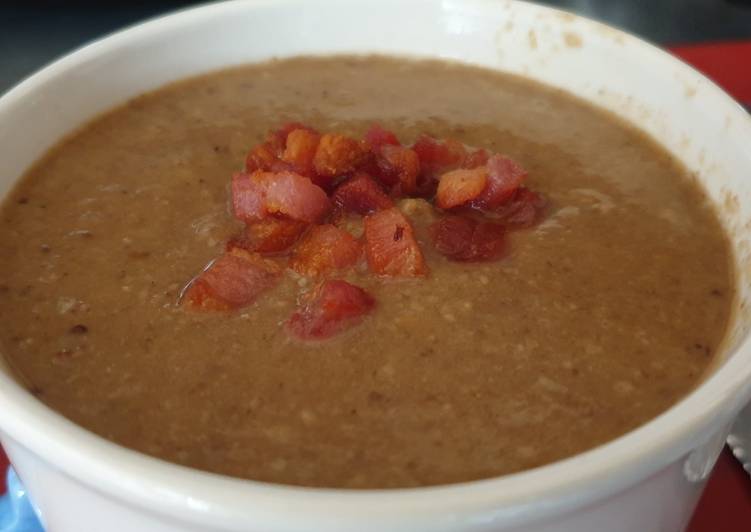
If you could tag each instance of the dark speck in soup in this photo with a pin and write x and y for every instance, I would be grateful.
(592, 322)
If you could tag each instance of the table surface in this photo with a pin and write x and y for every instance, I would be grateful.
(32, 33)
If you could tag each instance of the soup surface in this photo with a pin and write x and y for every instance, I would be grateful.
(598, 319)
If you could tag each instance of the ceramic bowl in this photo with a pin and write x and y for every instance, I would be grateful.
(647, 480)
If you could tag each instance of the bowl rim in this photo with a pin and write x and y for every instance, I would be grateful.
(150, 482)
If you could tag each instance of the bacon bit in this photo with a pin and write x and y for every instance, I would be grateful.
(270, 235)
(299, 151)
(268, 155)
(476, 158)
(261, 194)
(248, 198)
(504, 177)
(330, 308)
(262, 157)
(461, 186)
(399, 167)
(337, 155)
(524, 209)
(280, 137)
(325, 248)
(467, 240)
(376, 137)
(232, 281)
(361, 194)
(387, 255)
(435, 156)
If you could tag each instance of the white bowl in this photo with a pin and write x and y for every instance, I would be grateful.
(647, 480)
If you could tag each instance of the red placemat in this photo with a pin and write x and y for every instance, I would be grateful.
(725, 506)
(728, 63)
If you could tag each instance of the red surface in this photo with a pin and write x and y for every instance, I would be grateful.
(725, 506)
(728, 63)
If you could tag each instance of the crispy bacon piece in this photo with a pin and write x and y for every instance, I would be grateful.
(476, 158)
(361, 194)
(330, 308)
(270, 235)
(523, 209)
(299, 150)
(324, 249)
(398, 167)
(268, 156)
(467, 240)
(248, 197)
(460, 186)
(337, 155)
(390, 245)
(232, 281)
(260, 194)
(261, 157)
(280, 137)
(436, 156)
(376, 137)
(504, 177)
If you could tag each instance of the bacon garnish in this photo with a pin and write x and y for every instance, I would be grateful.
(270, 235)
(361, 194)
(302, 192)
(391, 247)
(461, 186)
(467, 240)
(330, 308)
(261, 194)
(325, 248)
(232, 281)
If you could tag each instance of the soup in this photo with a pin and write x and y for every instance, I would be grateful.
(595, 319)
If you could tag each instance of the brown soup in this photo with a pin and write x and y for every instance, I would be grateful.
(599, 318)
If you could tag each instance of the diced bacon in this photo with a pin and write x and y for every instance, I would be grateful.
(504, 177)
(476, 158)
(278, 139)
(299, 151)
(262, 157)
(261, 194)
(361, 194)
(268, 156)
(337, 155)
(436, 156)
(376, 137)
(460, 186)
(398, 167)
(324, 249)
(232, 281)
(329, 309)
(295, 196)
(524, 209)
(248, 197)
(390, 245)
(270, 235)
(467, 240)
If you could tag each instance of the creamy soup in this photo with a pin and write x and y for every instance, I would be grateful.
(595, 320)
